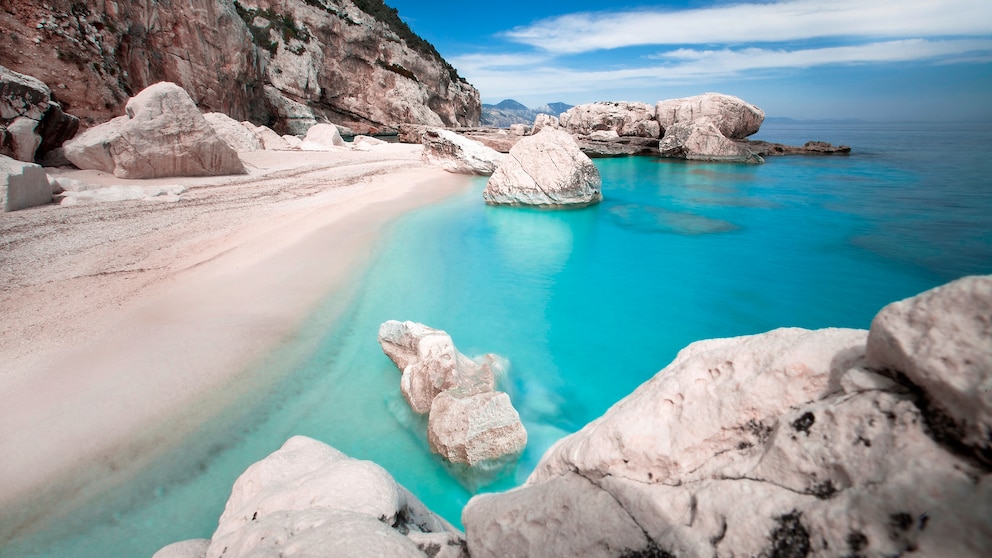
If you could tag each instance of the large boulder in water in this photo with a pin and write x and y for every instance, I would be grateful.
(701, 140)
(624, 118)
(458, 154)
(308, 499)
(788, 443)
(162, 134)
(479, 430)
(547, 170)
(734, 117)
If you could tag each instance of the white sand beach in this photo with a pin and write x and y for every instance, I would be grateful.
(125, 325)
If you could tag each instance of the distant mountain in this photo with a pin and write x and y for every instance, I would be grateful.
(509, 112)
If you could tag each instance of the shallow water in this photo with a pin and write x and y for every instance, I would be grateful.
(585, 304)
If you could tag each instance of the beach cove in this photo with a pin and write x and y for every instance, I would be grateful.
(128, 326)
(586, 304)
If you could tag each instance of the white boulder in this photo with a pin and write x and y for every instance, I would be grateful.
(548, 170)
(23, 140)
(458, 154)
(701, 140)
(779, 444)
(430, 364)
(232, 132)
(322, 137)
(23, 185)
(308, 499)
(941, 341)
(542, 121)
(271, 141)
(163, 134)
(479, 430)
(624, 118)
(734, 117)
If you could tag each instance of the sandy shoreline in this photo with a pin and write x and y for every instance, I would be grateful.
(127, 325)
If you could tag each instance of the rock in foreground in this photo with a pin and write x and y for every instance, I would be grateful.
(308, 499)
(162, 134)
(781, 444)
(22, 185)
(545, 170)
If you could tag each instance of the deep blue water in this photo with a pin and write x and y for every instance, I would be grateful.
(585, 304)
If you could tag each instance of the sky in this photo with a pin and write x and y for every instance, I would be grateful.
(879, 60)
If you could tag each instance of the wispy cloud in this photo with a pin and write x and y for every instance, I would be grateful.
(687, 65)
(788, 20)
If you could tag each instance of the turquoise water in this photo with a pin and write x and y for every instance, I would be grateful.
(585, 304)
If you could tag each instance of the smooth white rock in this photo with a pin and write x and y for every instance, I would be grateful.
(307, 484)
(941, 340)
(163, 134)
(23, 185)
(322, 137)
(271, 141)
(734, 117)
(232, 132)
(548, 170)
(458, 154)
(293, 141)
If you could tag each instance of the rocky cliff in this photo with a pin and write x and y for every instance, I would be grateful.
(283, 63)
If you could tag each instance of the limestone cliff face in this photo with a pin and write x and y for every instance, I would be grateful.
(284, 63)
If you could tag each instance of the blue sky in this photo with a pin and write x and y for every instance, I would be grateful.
(869, 59)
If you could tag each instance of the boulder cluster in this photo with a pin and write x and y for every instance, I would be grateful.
(470, 424)
(833, 442)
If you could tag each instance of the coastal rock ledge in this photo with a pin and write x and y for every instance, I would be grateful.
(788, 443)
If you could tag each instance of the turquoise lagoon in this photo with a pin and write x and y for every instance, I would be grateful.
(586, 305)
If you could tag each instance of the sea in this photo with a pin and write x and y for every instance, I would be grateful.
(585, 304)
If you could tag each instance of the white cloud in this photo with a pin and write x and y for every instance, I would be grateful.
(682, 66)
(788, 20)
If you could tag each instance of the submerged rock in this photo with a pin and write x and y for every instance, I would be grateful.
(308, 499)
(701, 140)
(546, 170)
(162, 134)
(458, 154)
(788, 443)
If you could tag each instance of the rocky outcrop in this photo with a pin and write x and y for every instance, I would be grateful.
(469, 423)
(765, 148)
(544, 120)
(22, 185)
(701, 140)
(788, 443)
(624, 118)
(308, 499)
(545, 170)
(233, 133)
(268, 61)
(941, 343)
(31, 122)
(458, 154)
(162, 134)
(734, 117)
